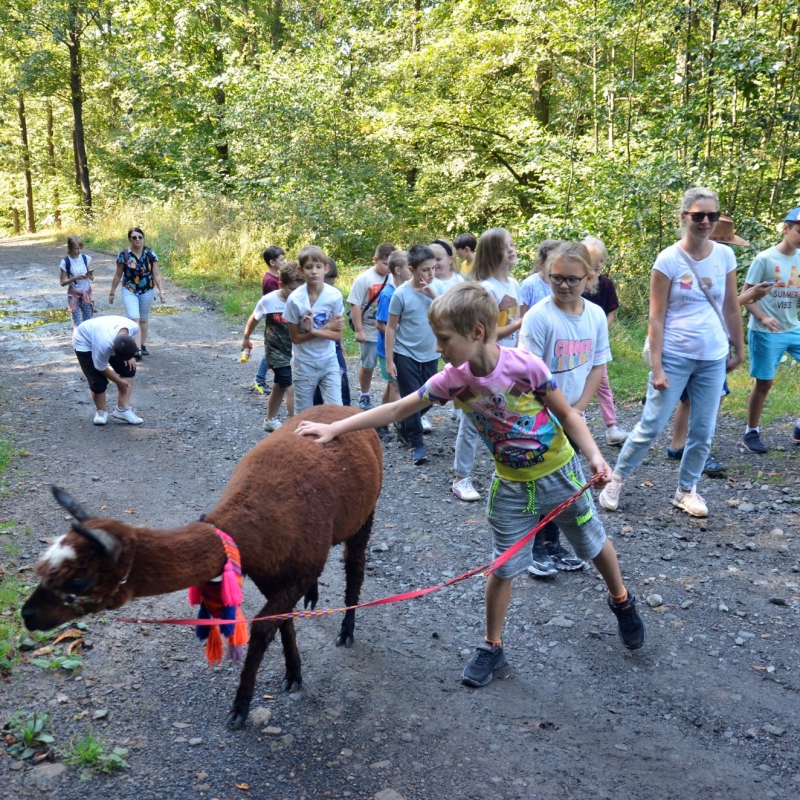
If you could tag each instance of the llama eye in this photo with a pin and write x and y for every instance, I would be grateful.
(77, 585)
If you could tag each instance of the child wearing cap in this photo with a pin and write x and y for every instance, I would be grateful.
(774, 327)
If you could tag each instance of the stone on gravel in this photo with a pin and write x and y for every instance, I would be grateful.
(561, 622)
(101, 713)
(746, 507)
(261, 715)
(42, 777)
(773, 730)
(195, 740)
(655, 600)
(380, 547)
(388, 794)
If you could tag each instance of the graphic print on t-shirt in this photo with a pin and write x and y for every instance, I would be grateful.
(570, 354)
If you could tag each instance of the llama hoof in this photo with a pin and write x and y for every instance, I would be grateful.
(345, 639)
(237, 718)
(292, 682)
(312, 596)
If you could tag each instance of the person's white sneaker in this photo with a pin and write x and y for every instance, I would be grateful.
(426, 425)
(127, 416)
(100, 417)
(690, 502)
(609, 497)
(464, 490)
(272, 424)
(616, 436)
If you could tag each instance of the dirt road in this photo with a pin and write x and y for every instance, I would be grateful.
(708, 709)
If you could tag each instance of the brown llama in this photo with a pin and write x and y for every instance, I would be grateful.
(287, 503)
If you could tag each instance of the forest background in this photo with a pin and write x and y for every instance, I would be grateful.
(223, 126)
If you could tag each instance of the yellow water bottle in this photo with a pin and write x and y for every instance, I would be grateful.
(245, 354)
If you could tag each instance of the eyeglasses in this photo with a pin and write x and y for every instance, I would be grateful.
(699, 216)
(137, 238)
(571, 280)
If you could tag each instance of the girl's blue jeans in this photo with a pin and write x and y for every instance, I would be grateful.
(703, 381)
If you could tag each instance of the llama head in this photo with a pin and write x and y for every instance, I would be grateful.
(84, 571)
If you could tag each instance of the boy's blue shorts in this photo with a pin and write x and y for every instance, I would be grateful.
(767, 349)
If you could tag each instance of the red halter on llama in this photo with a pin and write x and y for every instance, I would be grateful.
(221, 598)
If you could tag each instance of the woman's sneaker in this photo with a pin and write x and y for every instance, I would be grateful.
(272, 424)
(609, 497)
(486, 659)
(630, 626)
(616, 436)
(100, 417)
(562, 557)
(464, 490)
(127, 416)
(689, 501)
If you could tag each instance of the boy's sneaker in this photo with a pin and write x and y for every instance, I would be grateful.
(690, 502)
(752, 442)
(401, 435)
(464, 490)
(272, 424)
(127, 416)
(630, 625)
(609, 497)
(541, 563)
(138, 355)
(616, 436)
(145, 351)
(100, 417)
(419, 456)
(486, 659)
(258, 387)
(714, 468)
(796, 433)
(426, 425)
(675, 455)
(365, 402)
(562, 558)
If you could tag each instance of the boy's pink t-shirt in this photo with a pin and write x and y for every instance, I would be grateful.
(526, 441)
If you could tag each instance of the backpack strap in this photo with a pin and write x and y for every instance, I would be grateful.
(67, 266)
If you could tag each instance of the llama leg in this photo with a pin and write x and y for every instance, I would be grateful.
(293, 679)
(311, 597)
(355, 557)
(261, 634)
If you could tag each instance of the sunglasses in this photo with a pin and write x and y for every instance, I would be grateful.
(699, 216)
(139, 238)
(571, 280)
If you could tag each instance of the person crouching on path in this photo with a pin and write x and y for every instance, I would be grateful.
(524, 420)
(105, 348)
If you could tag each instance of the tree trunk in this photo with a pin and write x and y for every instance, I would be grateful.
(30, 220)
(15, 217)
(540, 93)
(219, 94)
(74, 33)
(51, 166)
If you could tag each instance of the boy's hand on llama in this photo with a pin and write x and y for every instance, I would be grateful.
(319, 430)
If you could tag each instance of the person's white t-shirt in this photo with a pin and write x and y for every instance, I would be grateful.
(507, 297)
(367, 286)
(783, 301)
(692, 328)
(77, 267)
(97, 335)
(570, 345)
(441, 285)
(329, 304)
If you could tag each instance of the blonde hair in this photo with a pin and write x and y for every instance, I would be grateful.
(397, 260)
(311, 253)
(74, 241)
(577, 252)
(464, 307)
(489, 253)
(691, 196)
(597, 249)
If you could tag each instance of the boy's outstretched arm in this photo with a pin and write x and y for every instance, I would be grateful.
(374, 418)
(578, 431)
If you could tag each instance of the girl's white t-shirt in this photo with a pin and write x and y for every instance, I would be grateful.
(507, 297)
(77, 267)
(441, 285)
(692, 328)
(570, 345)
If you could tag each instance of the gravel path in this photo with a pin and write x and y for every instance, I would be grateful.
(708, 709)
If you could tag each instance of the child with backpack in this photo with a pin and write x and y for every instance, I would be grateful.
(77, 276)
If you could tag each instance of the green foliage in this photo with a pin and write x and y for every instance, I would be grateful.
(67, 662)
(30, 732)
(90, 751)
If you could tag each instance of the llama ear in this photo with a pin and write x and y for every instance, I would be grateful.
(67, 501)
(102, 541)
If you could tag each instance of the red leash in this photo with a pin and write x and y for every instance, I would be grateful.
(486, 569)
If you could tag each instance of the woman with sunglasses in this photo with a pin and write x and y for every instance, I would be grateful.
(137, 268)
(689, 348)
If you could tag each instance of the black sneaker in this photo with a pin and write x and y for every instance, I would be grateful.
(796, 434)
(715, 468)
(562, 557)
(541, 562)
(365, 403)
(419, 456)
(138, 355)
(145, 351)
(486, 659)
(630, 625)
(675, 455)
(384, 433)
(752, 442)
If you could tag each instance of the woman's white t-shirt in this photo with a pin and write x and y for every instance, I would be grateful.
(692, 328)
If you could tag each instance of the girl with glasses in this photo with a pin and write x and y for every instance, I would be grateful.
(137, 268)
(689, 347)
